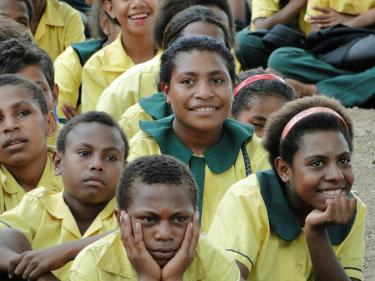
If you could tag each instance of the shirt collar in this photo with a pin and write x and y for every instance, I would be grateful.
(233, 136)
(156, 106)
(282, 219)
(115, 58)
(51, 15)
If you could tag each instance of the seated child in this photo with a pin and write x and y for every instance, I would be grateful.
(90, 164)
(20, 11)
(26, 122)
(259, 93)
(219, 150)
(195, 20)
(299, 221)
(159, 232)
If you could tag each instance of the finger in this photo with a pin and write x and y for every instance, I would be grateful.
(13, 264)
(37, 272)
(29, 268)
(195, 239)
(138, 236)
(20, 268)
(128, 237)
(322, 9)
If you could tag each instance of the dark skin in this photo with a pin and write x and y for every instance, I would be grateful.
(39, 8)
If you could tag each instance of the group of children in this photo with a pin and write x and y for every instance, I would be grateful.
(266, 175)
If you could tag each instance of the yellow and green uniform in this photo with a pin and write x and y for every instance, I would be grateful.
(11, 192)
(106, 260)
(68, 73)
(149, 108)
(220, 166)
(271, 242)
(59, 27)
(46, 221)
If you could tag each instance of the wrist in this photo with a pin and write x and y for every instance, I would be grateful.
(315, 231)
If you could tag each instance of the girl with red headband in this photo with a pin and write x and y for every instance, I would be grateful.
(299, 221)
(259, 93)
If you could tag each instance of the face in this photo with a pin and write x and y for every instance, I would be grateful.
(23, 127)
(200, 94)
(134, 16)
(16, 10)
(258, 110)
(321, 169)
(164, 211)
(92, 162)
(204, 28)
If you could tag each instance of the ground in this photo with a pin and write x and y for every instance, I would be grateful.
(364, 168)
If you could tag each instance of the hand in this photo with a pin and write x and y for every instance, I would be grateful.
(328, 17)
(33, 264)
(339, 211)
(142, 261)
(48, 277)
(176, 267)
(69, 111)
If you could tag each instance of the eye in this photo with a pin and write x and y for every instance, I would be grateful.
(345, 162)
(187, 82)
(149, 220)
(83, 153)
(111, 158)
(257, 125)
(317, 163)
(218, 80)
(180, 219)
(23, 113)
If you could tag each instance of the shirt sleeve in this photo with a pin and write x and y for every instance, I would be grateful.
(263, 8)
(83, 268)
(75, 30)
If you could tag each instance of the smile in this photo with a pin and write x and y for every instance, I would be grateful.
(138, 16)
(333, 192)
(204, 109)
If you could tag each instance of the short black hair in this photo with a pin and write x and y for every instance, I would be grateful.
(316, 122)
(196, 13)
(17, 53)
(191, 43)
(154, 169)
(167, 9)
(90, 117)
(31, 89)
(260, 88)
(12, 29)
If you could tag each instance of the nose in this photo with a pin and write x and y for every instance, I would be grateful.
(137, 3)
(9, 124)
(96, 163)
(164, 232)
(334, 172)
(204, 91)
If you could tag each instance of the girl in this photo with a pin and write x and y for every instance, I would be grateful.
(258, 94)
(196, 20)
(299, 220)
(133, 46)
(218, 150)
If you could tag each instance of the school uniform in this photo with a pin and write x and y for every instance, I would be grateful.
(150, 108)
(46, 221)
(106, 260)
(68, 73)
(59, 27)
(216, 170)
(271, 243)
(11, 192)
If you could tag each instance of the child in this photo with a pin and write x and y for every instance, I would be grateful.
(25, 159)
(20, 11)
(196, 20)
(299, 220)
(257, 95)
(12, 29)
(133, 46)
(141, 80)
(159, 231)
(90, 165)
(55, 26)
(219, 151)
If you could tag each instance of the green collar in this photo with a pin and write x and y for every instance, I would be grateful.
(219, 157)
(156, 106)
(87, 48)
(282, 219)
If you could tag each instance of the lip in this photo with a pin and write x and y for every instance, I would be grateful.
(14, 143)
(333, 192)
(94, 181)
(163, 254)
(141, 16)
(204, 109)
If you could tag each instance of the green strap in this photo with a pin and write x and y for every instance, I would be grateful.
(197, 167)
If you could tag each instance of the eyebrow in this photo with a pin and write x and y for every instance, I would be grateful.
(92, 146)
(345, 153)
(192, 73)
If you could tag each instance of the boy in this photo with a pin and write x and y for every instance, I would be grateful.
(157, 199)
(25, 124)
(20, 11)
(90, 165)
(12, 29)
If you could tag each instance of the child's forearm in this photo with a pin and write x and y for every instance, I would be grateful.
(366, 19)
(324, 262)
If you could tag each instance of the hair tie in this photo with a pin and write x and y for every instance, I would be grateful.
(254, 78)
(307, 112)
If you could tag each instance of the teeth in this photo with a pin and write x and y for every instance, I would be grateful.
(138, 16)
(331, 192)
(204, 109)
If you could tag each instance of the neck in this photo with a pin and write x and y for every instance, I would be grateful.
(196, 141)
(299, 207)
(39, 8)
(83, 213)
(35, 168)
(138, 48)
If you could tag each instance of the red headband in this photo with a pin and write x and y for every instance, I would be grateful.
(254, 78)
(313, 110)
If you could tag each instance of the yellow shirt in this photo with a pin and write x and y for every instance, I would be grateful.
(267, 8)
(59, 27)
(11, 192)
(278, 253)
(139, 81)
(223, 163)
(101, 69)
(106, 259)
(46, 221)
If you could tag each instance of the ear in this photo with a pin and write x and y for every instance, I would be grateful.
(108, 8)
(165, 89)
(51, 124)
(56, 159)
(283, 169)
(118, 214)
(55, 94)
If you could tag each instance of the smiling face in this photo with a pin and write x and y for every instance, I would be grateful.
(200, 94)
(92, 162)
(164, 211)
(321, 169)
(16, 10)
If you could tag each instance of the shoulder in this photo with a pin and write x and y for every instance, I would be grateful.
(142, 144)
(64, 10)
